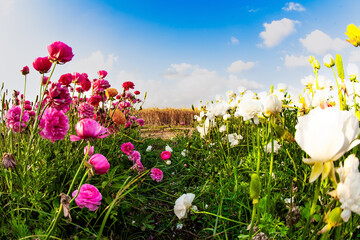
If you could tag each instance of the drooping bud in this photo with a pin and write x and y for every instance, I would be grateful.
(8, 161)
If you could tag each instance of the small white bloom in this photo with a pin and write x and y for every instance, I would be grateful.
(184, 152)
(272, 105)
(168, 148)
(183, 204)
(222, 128)
(249, 109)
(168, 162)
(348, 193)
(149, 148)
(276, 147)
(179, 226)
(328, 60)
(226, 116)
(351, 165)
(233, 139)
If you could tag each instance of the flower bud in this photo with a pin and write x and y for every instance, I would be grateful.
(8, 161)
(255, 186)
(328, 61)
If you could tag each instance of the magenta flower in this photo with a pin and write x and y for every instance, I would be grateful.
(54, 124)
(94, 100)
(65, 79)
(91, 150)
(102, 74)
(85, 84)
(60, 52)
(156, 174)
(134, 156)
(127, 148)
(100, 86)
(140, 121)
(13, 118)
(138, 166)
(127, 85)
(165, 155)
(88, 129)
(100, 163)
(89, 196)
(85, 110)
(59, 97)
(25, 70)
(42, 64)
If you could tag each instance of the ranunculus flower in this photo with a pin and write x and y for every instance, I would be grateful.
(13, 118)
(100, 163)
(59, 97)
(249, 109)
(127, 85)
(156, 174)
(325, 135)
(42, 64)
(88, 129)
(183, 204)
(100, 86)
(94, 100)
(117, 116)
(91, 150)
(85, 110)
(65, 79)
(102, 74)
(138, 166)
(89, 196)
(276, 147)
(54, 124)
(25, 70)
(127, 148)
(137, 92)
(165, 155)
(134, 156)
(111, 92)
(149, 148)
(60, 52)
(140, 121)
(272, 105)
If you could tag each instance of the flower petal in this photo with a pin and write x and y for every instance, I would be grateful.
(316, 171)
(328, 166)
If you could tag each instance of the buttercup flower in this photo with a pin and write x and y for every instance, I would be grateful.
(60, 52)
(326, 141)
(54, 124)
(118, 116)
(249, 109)
(353, 33)
(94, 100)
(127, 148)
(111, 92)
(168, 148)
(59, 97)
(100, 86)
(140, 121)
(183, 204)
(88, 129)
(165, 155)
(100, 163)
(156, 174)
(42, 64)
(89, 196)
(328, 61)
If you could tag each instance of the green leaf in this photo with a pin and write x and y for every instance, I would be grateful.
(340, 67)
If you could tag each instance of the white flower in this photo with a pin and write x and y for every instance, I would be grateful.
(226, 116)
(351, 165)
(168, 148)
(184, 152)
(222, 128)
(276, 147)
(203, 130)
(183, 204)
(328, 60)
(282, 87)
(325, 135)
(168, 162)
(249, 109)
(272, 105)
(230, 94)
(233, 139)
(149, 148)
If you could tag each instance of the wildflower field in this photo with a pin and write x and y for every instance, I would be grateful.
(270, 165)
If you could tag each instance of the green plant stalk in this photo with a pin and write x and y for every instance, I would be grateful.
(22, 106)
(341, 100)
(313, 207)
(271, 158)
(253, 216)
(258, 151)
(219, 216)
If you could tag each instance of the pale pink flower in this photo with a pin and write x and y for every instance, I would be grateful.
(54, 124)
(100, 86)
(100, 163)
(88, 129)
(91, 150)
(13, 118)
(89, 196)
(138, 166)
(85, 110)
(156, 174)
(134, 156)
(59, 97)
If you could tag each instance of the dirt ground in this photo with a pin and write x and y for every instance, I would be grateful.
(165, 132)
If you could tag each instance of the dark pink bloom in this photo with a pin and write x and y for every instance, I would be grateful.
(88, 129)
(13, 118)
(138, 166)
(91, 150)
(100, 163)
(54, 124)
(45, 80)
(85, 110)
(165, 155)
(94, 100)
(156, 174)
(128, 124)
(59, 97)
(100, 86)
(127, 85)
(85, 85)
(65, 79)
(42, 64)
(25, 70)
(136, 92)
(127, 148)
(78, 78)
(60, 52)
(134, 156)
(140, 121)
(102, 74)
(89, 196)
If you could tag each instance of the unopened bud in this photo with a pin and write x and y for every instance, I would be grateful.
(255, 186)
(8, 161)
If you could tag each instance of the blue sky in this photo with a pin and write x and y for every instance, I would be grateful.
(180, 52)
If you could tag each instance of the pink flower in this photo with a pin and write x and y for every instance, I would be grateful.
(44, 80)
(102, 74)
(134, 156)
(85, 110)
(94, 100)
(89, 196)
(65, 79)
(156, 174)
(60, 52)
(136, 92)
(127, 85)
(25, 70)
(59, 97)
(127, 148)
(140, 121)
(13, 118)
(42, 64)
(100, 86)
(91, 150)
(165, 155)
(88, 129)
(77, 78)
(100, 163)
(54, 124)
(138, 166)
(85, 84)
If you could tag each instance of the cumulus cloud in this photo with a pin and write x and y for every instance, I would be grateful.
(294, 61)
(6, 7)
(234, 40)
(291, 6)
(354, 56)
(92, 64)
(234, 82)
(240, 66)
(319, 42)
(276, 31)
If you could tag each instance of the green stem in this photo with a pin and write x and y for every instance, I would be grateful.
(313, 207)
(253, 215)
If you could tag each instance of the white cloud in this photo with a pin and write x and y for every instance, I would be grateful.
(291, 6)
(354, 56)
(6, 7)
(233, 83)
(239, 66)
(294, 61)
(234, 40)
(92, 64)
(319, 42)
(276, 31)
